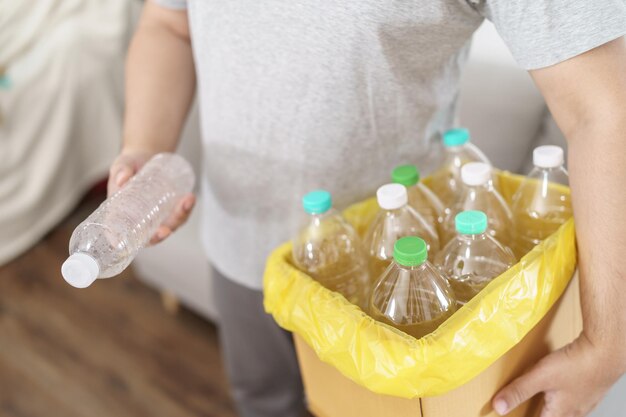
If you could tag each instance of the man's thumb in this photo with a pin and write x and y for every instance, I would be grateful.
(122, 175)
(118, 177)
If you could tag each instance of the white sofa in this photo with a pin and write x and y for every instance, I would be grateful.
(498, 103)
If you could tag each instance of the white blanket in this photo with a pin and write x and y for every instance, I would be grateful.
(61, 108)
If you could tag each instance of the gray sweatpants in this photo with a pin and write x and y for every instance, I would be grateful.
(259, 356)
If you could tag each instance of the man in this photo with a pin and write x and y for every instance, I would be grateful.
(296, 95)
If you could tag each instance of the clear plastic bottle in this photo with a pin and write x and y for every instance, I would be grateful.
(421, 198)
(446, 180)
(105, 243)
(473, 258)
(412, 295)
(396, 219)
(329, 250)
(479, 193)
(542, 202)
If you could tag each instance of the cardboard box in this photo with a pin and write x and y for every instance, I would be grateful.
(330, 394)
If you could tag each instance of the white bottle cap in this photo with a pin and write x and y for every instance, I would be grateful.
(476, 173)
(548, 156)
(392, 196)
(80, 270)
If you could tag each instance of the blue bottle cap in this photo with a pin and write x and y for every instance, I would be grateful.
(471, 222)
(317, 202)
(456, 137)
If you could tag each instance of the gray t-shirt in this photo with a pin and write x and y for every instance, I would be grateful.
(297, 95)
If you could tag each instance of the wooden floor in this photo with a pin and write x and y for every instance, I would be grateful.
(107, 351)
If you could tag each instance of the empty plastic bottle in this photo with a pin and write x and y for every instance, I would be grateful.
(396, 219)
(105, 243)
(473, 258)
(412, 295)
(329, 250)
(446, 180)
(478, 193)
(542, 202)
(421, 198)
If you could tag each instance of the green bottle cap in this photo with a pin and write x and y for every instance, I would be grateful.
(410, 251)
(456, 137)
(471, 222)
(406, 175)
(317, 202)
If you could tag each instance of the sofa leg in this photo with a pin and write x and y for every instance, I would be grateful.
(170, 301)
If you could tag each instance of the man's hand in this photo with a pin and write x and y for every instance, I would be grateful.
(586, 95)
(127, 164)
(160, 83)
(573, 379)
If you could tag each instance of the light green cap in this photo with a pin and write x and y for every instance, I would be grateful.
(317, 202)
(406, 175)
(410, 251)
(456, 137)
(471, 222)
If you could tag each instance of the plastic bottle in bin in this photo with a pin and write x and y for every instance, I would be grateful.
(396, 219)
(412, 295)
(421, 198)
(458, 150)
(479, 193)
(105, 243)
(473, 258)
(541, 203)
(329, 250)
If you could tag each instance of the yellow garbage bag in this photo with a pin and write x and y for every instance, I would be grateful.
(388, 361)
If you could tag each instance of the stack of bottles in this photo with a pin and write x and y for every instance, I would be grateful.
(428, 252)
(432, 248)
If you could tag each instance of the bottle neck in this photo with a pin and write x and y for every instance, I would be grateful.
(317, 218)
(412, 268)
(469, 238)
(473, 191)
(453, 155)
(551, 170)
(456, 149)
(395, 212)
(477, 188)
(557, 175)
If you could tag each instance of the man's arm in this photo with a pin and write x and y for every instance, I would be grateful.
(160, 84)
(160, 80)
(587, 97)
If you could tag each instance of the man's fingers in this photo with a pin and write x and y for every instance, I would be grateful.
(123, 175)
(517, 392)
(161, 234)
(118, 176)
(523, 388)
(124, 167)
(181, 212)
(177, 218)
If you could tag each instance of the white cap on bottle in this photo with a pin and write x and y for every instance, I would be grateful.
(476, 173)
(392, 196)
(80, 270)
(548, 156)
